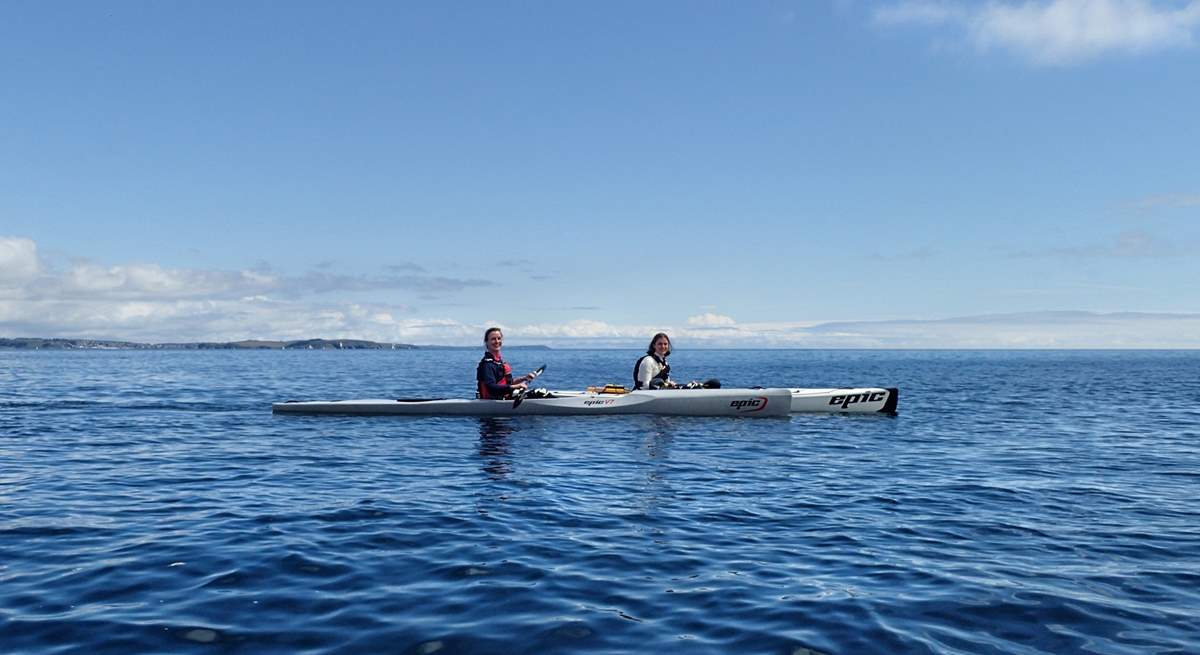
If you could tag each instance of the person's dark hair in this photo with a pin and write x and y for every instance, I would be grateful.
(488, 332)
(650, 348)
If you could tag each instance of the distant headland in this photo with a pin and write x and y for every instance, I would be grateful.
(35, 343)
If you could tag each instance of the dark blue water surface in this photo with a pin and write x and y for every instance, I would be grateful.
(1022, 502)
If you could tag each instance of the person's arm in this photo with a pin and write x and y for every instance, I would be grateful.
(523, 381)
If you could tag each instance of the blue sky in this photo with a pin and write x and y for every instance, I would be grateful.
(809, 174)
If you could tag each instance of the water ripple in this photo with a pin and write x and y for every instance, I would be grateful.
(1030, 503)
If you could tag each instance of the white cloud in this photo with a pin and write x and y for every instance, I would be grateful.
(222, 320)
(1058, 32)
(711, 320)
(151, 281)
(150, 303)
(24, 275)
(18, 260)
(232, 320)
(579, 329)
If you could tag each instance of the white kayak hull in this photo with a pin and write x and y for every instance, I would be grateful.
(750, 403)
(693, 402)
(858, 400)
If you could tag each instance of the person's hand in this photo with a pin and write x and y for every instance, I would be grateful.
(521, 385)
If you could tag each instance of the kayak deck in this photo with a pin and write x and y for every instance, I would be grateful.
(751, 403)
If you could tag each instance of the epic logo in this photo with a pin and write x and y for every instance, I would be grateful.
(750, 405)
(854, 398)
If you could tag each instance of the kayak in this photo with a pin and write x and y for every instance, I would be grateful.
(750, 403)
(673, 402)
(864, 400)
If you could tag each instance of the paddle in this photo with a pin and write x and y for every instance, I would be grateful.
(520, 394)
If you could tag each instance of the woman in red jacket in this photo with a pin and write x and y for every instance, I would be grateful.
(494, 375)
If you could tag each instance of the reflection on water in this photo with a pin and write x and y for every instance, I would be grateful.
(656, 447)
(494, 446)
(658, 438)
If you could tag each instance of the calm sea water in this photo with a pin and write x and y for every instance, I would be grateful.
(1022, 502)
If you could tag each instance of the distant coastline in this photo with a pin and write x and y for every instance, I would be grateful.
(37, 343)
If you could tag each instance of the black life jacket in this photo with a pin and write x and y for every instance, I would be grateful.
(664, 374)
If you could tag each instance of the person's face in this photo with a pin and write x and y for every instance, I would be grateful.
(661, 345)
(494, 340)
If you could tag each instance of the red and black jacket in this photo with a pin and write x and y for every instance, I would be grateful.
(494, 377)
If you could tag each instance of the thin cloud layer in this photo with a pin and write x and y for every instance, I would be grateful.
(1130, 244)
(429, 285)
(1057, 32)
(18, 261)
(24, 275)
(225, 320)
(1023, 330)
(1067, 329)
(1152, 203)
(150, 303)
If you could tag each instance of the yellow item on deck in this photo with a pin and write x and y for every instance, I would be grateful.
(608, 388)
